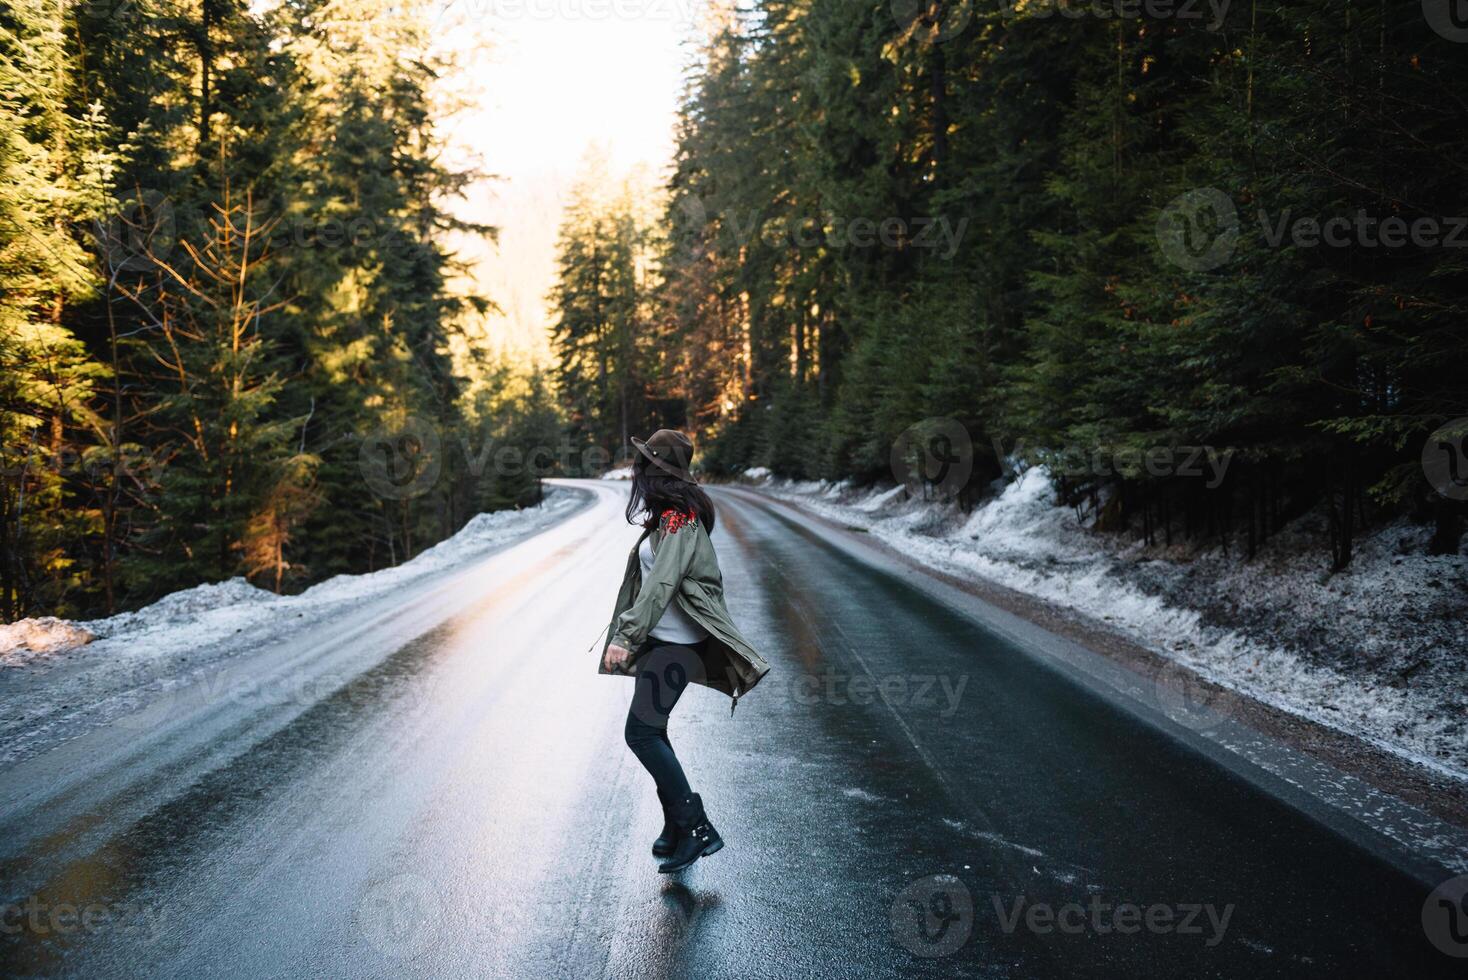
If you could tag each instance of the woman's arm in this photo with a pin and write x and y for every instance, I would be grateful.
(669, 564)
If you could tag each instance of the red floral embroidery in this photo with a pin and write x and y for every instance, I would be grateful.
(674, 519)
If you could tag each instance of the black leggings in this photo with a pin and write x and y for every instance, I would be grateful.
(663, 672)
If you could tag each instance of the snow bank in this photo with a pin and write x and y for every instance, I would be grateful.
(483, 532)
(756, 474)
(620, 473)
(206, 614)
(23, 641)
(236, 595)
(67, 689)
(1377, 651)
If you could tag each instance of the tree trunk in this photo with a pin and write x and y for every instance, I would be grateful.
(1341, 518)
(206, 67)
(938, 91)
(1447, 528)
(8, 555)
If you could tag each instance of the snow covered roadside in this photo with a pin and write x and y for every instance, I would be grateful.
(1377, 651)
(55, 686)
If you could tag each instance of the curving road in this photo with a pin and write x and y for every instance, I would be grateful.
(921, 787)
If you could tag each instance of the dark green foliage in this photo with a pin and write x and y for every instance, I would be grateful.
(1058, 324)
(609, 376)
(222, 277)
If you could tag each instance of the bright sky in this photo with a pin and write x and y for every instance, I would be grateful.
(545, 80)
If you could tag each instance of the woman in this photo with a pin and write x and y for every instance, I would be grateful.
(671, 629)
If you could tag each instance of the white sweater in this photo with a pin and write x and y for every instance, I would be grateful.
(675, 626)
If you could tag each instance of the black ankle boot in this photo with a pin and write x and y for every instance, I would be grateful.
(696, 836)
(668, 839)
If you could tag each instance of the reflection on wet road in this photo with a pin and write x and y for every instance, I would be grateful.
(444, 791)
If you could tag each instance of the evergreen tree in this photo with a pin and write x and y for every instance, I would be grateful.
(602, 305)
(1082, 168)
(221, 271)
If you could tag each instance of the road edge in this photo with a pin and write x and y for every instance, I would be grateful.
(19, 746)
(1386, 777)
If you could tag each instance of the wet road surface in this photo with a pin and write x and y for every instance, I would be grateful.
(442, 791)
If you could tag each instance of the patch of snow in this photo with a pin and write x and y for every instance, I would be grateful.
(756, 474)
(185, 606)
(26, 639)
(620, 473)
(482, 532)
(1376, 651)
(198, 614)
(880, 500)
(996, 839)
(156, 646)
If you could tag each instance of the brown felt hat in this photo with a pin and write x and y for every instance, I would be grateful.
(669, 450)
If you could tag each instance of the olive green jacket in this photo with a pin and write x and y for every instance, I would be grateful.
(684, 570)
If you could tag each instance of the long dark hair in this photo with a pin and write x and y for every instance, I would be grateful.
(654, 491)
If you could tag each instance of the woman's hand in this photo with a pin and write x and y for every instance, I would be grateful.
(616, 657)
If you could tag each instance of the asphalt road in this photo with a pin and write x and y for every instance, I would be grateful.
(441, 790)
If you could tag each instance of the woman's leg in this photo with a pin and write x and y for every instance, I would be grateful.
(662, 675)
